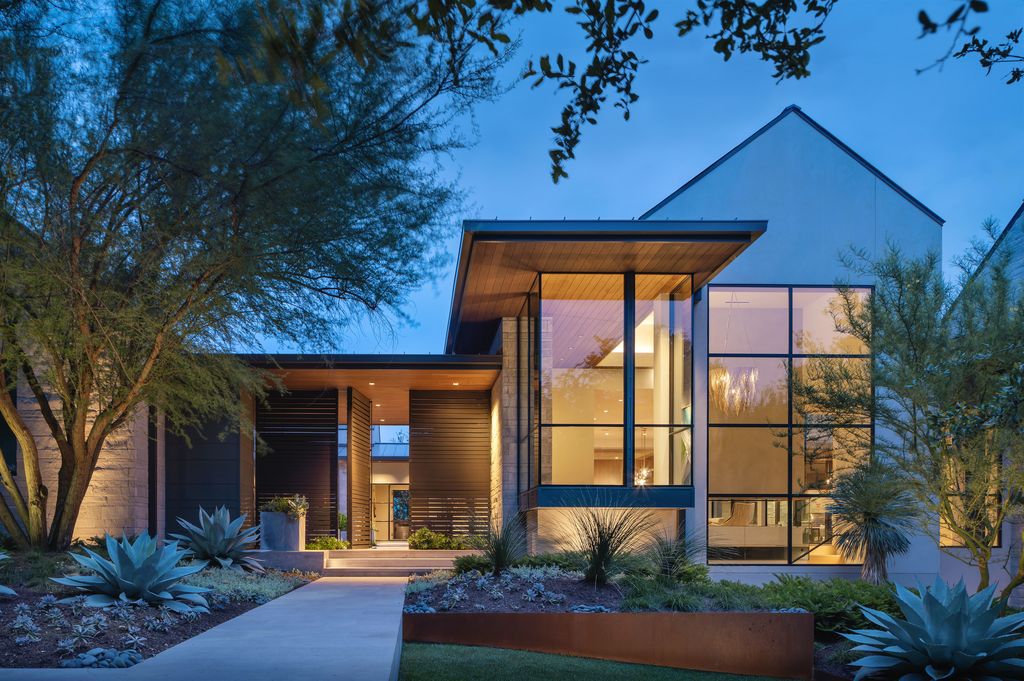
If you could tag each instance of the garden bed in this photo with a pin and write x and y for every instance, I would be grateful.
(37, 630)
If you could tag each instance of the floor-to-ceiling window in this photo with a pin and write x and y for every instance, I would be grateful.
(614, 371)
(771, 458)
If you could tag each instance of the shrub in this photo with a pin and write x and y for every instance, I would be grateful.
(327, 543)
(5, 590)
(220, 540)
(566, 560)
(676, 558)
(138, 571)
(603, 536)
(946, 635)
(834, 602)
(664, 593)
(426, 539)
(242, 587)
(295, 506)
(504, 545)
(470, 562)
(342, 522)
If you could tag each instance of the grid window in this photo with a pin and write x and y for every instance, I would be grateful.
(772, 460)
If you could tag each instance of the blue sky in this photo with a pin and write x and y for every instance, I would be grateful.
(953, 138)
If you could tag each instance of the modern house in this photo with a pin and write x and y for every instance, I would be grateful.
(642, 362)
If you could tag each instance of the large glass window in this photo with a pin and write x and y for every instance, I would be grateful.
(589, 424)
(582, 331)
(772, 459)
(662, 402)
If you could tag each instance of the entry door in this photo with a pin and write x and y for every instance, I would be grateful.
(360, 510)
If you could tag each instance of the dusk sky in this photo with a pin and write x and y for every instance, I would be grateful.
(952, 138)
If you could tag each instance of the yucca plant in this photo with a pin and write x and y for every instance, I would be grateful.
(604, 536)
(946, 635)
(5, 590)
(873, 516)
(504, 545)
(138, 571)
(221, 540)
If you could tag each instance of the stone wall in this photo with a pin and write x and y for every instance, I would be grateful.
(118, 496)
(509, 416)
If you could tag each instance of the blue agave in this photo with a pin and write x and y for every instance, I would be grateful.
(946, 635)
(221, 540)
(138, 571)
(5, 590)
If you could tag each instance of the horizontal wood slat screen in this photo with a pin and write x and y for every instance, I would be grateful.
(359, 450)
(449, 461)
(300, 429)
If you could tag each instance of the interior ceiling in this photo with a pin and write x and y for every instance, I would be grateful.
(388, 389)
(501, 273)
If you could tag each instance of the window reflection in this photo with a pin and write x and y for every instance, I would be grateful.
(746, 320)
(582, 456)
(748, 530)
(819, 321)
(820, 454)
(661, 455)
(747, 460)
(748, 390)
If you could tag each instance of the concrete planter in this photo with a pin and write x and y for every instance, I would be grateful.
(279, 532)
(760, 643)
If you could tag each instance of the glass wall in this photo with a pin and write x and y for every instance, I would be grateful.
(586, 325)
(662, 384)
(771, 459)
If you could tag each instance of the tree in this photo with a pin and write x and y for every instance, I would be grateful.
(781, 32)
(945, 386)
(157, 213)
(873, 516)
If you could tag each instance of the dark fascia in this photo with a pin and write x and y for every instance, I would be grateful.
(794, 109)
(616, 231)
(327, 361)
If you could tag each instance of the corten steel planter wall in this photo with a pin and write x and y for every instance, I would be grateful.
(766, 644)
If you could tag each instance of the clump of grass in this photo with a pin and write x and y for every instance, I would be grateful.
(33, 570)
(604, 536)
(504, 545)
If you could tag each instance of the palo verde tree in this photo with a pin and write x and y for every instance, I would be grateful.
(157, 213)
(782, 33)
(945, 387)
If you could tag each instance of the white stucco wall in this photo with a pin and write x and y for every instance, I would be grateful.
(819, 202)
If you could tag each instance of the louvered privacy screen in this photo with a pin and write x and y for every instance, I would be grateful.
(301, 430)
(359, 448)
(449, 461)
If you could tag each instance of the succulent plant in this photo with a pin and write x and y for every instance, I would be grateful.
(138, 571)
(104, 657)
(4, 590)
(221, 540)
(946, 635)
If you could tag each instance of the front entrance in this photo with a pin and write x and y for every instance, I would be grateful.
(391, 511)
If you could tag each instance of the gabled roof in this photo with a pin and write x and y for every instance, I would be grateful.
(1019, 215)
(797, 111)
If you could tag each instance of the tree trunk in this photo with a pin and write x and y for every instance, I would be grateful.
(70, 496)
(873, 570)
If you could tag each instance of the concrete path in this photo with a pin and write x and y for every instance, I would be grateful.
(335, 628)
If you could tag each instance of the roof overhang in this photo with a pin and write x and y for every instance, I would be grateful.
(499, 260)
(385, 379)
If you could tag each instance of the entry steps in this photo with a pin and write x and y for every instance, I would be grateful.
(826, 554)
(387, 562)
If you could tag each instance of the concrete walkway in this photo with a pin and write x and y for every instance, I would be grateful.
(335, 628)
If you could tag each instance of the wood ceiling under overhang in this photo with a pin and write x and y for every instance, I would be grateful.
(500, 259)
(385, 379)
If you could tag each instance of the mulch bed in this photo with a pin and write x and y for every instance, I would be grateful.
(44, 652)
(560, 594)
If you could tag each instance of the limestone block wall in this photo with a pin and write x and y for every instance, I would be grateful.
(509, 445)
(118, 496)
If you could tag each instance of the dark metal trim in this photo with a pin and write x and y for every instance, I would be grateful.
(628, 377)
(562, 496)
(381, 362)
(793, 108)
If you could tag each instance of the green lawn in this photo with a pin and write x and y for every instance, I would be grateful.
(429, 662)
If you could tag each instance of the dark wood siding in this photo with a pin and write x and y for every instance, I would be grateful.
(300, 432)
(449, 461)
(359, 452)
(203, 474)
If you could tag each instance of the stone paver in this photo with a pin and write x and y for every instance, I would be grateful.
(335, 628)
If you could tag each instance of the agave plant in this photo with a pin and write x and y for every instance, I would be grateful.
(221, 540)
(946, 635)
(138, 571)
(5, 590)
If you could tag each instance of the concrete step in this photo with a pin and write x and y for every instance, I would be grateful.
(824, 559)
(395, 554)
(437, 563)
(383, 571)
